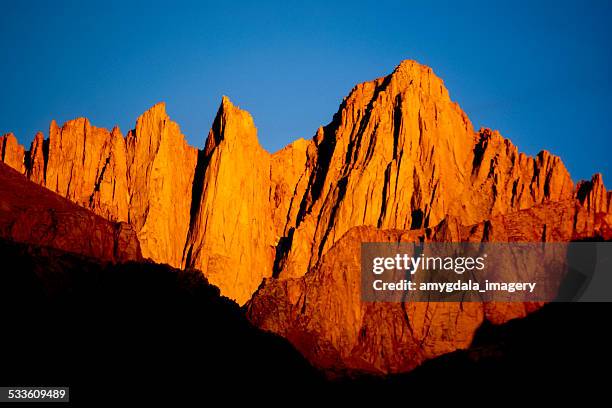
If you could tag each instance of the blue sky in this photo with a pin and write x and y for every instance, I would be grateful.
(537, 71)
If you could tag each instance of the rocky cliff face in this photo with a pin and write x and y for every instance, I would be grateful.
(86, 164)
(400, 154)
(222, 210)
(232, 234)
(34, 215)
(245, 200)
(11, 152)
(145, 179)
(160, 171)
(399, 158)
(36, 159)
(322, 314)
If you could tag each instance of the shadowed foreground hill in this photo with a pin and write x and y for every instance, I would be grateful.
(113, 326)
(558, 351)
(137, 329)
(148, 332)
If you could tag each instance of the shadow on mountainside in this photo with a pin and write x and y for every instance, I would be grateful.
(561, 349)
(143, 331)
(137, 330)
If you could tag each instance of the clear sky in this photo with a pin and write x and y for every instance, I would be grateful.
(537, 71)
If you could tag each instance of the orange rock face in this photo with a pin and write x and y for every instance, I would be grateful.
(231, 238)
(160, 171)
(399, 157)
(83, 160)
(322, 314)
(135, 179)
(401, 154)
(37, 155)
(11, 152)
(34, 215)
(596, 202)
(246, 195)
(399, 161)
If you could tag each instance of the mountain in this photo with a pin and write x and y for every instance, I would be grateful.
(400, 161)
(323, 315)
(157, 333)
(94, 315)
(31, 214)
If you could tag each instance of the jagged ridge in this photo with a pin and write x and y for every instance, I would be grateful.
(397, 154)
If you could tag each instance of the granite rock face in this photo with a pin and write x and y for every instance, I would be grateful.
(34, 215)
(37, 159)
(402, 159)
(400, 154)
(11, 152)
(160, 172)
(82, 161)
(245, 199)
(144, 179)
(231, 237)
(322, 314)
(399, 161)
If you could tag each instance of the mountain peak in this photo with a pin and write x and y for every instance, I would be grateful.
(410, 64)
(159, 107)
(226, 102)
(116, 131)
(152, 116)
(233, 125)
(410, 73)
(11, 152)
(227, 107)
